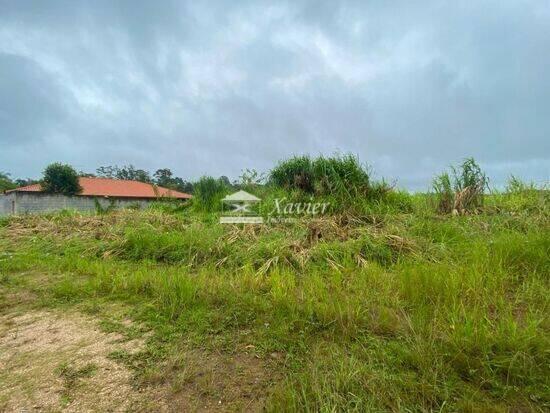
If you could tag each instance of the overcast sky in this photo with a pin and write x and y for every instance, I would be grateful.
(215, 87)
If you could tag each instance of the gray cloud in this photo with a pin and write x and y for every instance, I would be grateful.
(218, 87)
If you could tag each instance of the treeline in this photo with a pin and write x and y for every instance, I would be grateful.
(6, 182)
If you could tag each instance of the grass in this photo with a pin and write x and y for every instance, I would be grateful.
(71, 376)
(395, 308)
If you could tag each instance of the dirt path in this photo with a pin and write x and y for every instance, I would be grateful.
(53, 361)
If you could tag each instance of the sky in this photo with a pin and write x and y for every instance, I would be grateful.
(214, 87)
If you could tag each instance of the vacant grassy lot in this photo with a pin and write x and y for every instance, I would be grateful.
(391, 309)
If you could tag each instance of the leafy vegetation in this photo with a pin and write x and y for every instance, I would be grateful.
(208, 193)
(6, 182)
(60, 179)
(127, 172)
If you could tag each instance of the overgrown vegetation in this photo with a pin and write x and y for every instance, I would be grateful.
(343, 176)
(382, 305)
(208, 193)
(100, 210)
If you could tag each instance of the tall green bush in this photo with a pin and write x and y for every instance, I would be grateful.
(60, 179)
(294, 173)
(341, 176)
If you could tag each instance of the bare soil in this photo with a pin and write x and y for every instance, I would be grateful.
(53, 361)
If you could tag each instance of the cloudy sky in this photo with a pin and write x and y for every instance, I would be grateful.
(215, 87)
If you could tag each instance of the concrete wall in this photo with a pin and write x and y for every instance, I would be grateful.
(36, 202)
(7, 202)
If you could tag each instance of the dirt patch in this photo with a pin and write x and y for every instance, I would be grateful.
(204, 382)
(53, 361)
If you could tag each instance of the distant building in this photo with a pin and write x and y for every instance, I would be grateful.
(108, 192)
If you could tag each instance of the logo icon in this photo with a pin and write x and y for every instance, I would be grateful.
(237, 209)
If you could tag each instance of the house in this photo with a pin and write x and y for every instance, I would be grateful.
(106, 192)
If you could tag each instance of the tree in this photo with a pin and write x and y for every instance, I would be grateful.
(25, 182)
(163, 177)
(127, 172)
(250, 178)
(130, 173)
(60, 179)
(6, 182)
(183, 186)
(225, 180)
(107, 171)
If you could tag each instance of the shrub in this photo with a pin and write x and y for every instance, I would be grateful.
(340, 176)
(60, 179)
(208, 193)
(463, 191)
(469, 175)
(293, 173)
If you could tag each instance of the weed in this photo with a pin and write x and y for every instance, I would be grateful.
(463, 192)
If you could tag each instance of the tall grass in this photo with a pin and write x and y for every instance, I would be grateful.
(463, 190)
(208, 193)
(343, 177)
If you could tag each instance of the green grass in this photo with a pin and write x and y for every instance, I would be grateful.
(392, 309)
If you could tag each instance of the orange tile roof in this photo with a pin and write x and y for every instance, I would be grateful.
(116, 188)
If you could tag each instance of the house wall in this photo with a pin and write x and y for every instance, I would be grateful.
(36, 202)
